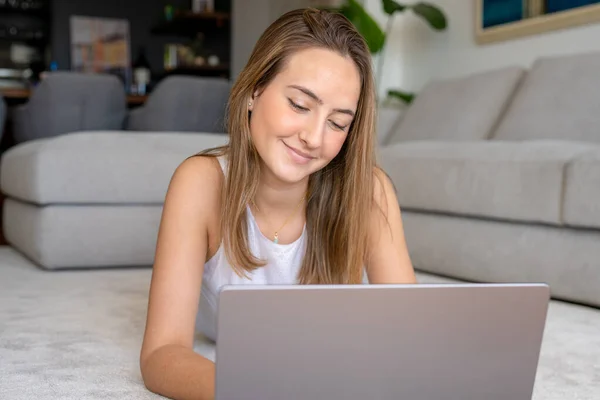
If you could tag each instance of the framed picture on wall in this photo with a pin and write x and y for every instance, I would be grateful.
(101, 45)
(500, 20)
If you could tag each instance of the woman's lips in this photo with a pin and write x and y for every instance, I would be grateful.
(298, 156)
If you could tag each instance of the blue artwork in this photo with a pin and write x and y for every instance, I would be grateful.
(499, 12)
(553, 6)
(509, 19)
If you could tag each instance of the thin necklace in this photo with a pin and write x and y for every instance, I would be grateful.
(276, 235)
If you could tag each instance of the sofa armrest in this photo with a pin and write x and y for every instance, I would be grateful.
(388, 119)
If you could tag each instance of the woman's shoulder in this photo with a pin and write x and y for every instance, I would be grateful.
(384, 190)
(199, 177)
(194, 198)
(200, 170)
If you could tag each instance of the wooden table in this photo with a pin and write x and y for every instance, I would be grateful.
(15, 93)
(21, 94)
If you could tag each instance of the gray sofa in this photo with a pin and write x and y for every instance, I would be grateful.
(498, 175)
(91, 199)
(67, 102)
(2, 115)
(183, 104)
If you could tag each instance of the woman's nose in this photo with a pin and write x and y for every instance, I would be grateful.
(312, 133)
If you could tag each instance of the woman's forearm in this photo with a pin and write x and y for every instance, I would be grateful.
(179, 373)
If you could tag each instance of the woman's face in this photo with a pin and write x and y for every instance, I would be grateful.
(300, 120)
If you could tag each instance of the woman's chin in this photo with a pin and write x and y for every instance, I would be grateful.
(292, 176)
(291, 173)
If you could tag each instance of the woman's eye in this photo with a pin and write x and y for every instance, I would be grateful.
(297, 107)
(337, 127)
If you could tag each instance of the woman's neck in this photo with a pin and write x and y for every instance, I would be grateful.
(275, 196)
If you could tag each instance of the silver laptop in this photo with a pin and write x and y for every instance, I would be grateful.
(357, 342)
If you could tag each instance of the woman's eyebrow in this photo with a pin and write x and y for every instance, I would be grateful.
(316, 98)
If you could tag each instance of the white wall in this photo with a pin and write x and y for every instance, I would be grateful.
(250, 18)
(416, 53)
(280, 7)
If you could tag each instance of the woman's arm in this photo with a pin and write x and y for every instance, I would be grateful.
(388, 259)
(169, 366)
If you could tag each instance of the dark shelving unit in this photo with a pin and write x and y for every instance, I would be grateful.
(26, 22)
(21, 21)
(216, 30)
(187, 23)
(203, 68)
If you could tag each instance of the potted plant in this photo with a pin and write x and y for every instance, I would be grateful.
(376, 37)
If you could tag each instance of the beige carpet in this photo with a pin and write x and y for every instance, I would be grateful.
(76, 335)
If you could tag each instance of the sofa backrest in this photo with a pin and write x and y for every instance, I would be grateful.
(68, 101)
(558, 99)
(184, 104)
(460, 109)
(2, 115)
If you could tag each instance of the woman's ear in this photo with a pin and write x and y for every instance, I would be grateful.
(253, 100)
(256, 94)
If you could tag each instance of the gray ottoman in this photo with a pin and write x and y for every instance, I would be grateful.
(92, 199)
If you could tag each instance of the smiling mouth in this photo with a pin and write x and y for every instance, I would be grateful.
(298, 152)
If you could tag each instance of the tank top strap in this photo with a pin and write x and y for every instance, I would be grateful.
(223, 163)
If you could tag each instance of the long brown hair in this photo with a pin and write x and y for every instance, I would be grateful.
(341, 194)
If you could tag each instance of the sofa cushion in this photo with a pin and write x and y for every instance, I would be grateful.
(481, 250)
(504, 180)
(582, 190)
(558, 99)
(99, 167)
(97, 235)
(459, 109)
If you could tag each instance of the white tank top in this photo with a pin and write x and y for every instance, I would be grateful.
(283, 264)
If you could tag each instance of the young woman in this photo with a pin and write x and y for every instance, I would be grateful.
(295, 197)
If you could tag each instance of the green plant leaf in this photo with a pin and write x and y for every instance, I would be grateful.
(432, 14)
(365, 24)
(406, 97)
(390, 7)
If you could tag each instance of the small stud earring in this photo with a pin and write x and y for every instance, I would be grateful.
(249, 104)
